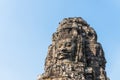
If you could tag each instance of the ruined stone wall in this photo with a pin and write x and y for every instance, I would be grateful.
(74, 53)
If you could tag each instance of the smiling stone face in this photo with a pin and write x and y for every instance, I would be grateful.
(66, 49)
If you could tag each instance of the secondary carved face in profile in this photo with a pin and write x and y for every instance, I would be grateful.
(66, 49)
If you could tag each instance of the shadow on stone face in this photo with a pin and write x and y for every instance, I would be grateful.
(74, 53)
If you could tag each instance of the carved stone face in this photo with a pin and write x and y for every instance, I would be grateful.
(66, 48)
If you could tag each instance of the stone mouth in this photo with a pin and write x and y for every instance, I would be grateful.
(63, 55)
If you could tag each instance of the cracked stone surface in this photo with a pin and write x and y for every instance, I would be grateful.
(74, 53)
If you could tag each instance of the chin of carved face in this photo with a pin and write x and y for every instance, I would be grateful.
(65, 48)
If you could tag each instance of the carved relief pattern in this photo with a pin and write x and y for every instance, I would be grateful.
(74, 53)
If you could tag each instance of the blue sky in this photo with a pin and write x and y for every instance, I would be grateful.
(26, 28)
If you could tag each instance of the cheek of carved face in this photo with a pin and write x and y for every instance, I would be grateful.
(66, 46)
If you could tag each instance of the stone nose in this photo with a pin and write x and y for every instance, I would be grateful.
(62, 47)
(64, 50)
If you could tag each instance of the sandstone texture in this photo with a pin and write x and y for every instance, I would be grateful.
(74, 53)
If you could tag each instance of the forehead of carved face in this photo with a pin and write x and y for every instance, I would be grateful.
(66, 45)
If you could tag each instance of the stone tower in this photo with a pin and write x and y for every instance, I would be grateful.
(74, 53)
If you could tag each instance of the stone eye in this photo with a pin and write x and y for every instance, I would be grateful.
(59, 45)
(68, 44)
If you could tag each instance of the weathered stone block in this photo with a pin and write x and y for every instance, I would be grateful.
(74, 53)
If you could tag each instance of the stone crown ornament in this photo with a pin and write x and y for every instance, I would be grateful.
(74, 53)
